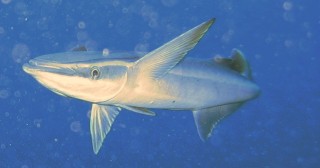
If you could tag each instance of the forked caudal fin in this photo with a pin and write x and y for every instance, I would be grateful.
(207, 119)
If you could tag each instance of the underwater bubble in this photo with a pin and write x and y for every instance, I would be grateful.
(287, 5)
(123, 26)
(113, 157)
(169, 3)
(21, 8)
(105, 52)
(153, 23)
(288, 16)
(146, 35)
(42, 23)
(288, 43)
(115, 3)
(125, 10)
(17, 94)
(4, 94)
(2, 31)
(69, 20)
(226, 37)
(75, 126)
(82, 25)
(110, 24)
(91, 45)
(141, 47)
(6, 1)
(309, 34)
(37, 122)
(20, 53)
(81, 36)
(24, 166)
(122, 125)
(55, 1)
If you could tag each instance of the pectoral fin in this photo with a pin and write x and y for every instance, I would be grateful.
(161, 60)
(207, 119)
(101, 121)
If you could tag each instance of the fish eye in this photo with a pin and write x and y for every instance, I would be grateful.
(95, 73)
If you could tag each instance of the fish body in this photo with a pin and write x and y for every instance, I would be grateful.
(161, 79)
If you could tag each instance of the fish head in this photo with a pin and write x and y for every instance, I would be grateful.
(83, 75)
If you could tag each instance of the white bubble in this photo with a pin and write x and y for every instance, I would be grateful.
(5, 1)
(82, 25)
(37, 122)
(287, 5)
(20, 53)
(105, 52)
(4, 94)
(75, 126)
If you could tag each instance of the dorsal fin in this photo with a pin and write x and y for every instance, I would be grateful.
(237, 62)
(80, 48)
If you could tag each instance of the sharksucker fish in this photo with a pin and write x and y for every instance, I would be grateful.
(161, 79)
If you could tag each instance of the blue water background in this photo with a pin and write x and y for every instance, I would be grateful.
(280, 38)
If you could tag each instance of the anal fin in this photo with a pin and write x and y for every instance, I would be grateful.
(101, 120)
(207, 119)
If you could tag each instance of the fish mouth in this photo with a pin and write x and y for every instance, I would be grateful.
(31, 67)
(36, 66)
